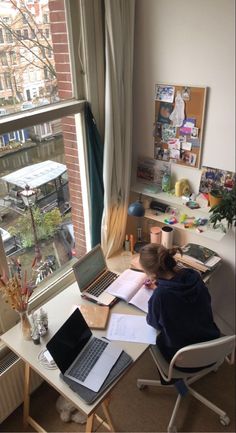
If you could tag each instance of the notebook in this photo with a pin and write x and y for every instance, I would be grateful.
(80, 356)
(93, 277)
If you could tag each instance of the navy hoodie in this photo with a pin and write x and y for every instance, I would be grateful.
(181, 309)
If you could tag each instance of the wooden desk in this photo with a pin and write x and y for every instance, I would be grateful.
(59, 309)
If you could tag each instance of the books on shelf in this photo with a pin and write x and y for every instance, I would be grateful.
(130, 287)
(199, 257)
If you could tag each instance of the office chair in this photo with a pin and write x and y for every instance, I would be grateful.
(210, 355)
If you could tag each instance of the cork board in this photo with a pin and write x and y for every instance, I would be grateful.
(179, 123)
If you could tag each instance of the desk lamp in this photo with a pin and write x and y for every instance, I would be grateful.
(136, 209)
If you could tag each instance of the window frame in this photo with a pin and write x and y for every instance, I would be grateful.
(47, 113)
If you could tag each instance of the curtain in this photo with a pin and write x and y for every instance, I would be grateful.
(95, 169)
(119, 34)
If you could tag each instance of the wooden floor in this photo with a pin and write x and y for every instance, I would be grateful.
(143, 411)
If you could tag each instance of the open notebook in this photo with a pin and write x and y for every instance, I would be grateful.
(130, 287)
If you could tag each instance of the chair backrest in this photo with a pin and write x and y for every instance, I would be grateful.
(203, 354)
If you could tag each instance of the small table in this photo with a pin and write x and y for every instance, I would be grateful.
(59, 309)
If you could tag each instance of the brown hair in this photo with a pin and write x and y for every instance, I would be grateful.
(157, 260)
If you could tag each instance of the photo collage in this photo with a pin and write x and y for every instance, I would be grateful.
(179, 112)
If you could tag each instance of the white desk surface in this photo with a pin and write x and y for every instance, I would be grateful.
(59, 309)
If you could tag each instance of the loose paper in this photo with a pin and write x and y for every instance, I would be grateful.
(127, 327)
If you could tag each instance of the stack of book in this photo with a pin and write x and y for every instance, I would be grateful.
(201, 258)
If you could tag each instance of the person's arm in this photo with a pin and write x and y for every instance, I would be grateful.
(153, 314)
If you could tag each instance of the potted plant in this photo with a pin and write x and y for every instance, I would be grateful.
(215, 196)
(225, 209)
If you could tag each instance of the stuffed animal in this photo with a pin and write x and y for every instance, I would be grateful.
(68, 412)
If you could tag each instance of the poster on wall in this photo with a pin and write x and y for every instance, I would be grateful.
(214, 178)
(179, 123)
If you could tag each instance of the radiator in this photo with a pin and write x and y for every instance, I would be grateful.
(12, 384)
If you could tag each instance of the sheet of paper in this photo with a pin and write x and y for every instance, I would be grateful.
(126, 327)
(141, 298)
(127, 284)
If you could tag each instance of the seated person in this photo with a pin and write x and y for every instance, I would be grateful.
(180, 306)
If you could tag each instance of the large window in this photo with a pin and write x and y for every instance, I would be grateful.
(40, 144)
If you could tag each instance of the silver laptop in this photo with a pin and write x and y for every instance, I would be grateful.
(81, 357)
(93, 277)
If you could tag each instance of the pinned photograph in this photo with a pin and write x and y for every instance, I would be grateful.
(157, 129)
(164, 112)
(194, 133)
(164, 93)
(186, 93)
(174, 153)
(186, 145)
(168, 132)
(174, 143)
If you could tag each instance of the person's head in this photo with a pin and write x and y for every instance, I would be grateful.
(158, 261)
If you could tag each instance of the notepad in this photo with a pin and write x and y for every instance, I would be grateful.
(96, 316)
(130, 287)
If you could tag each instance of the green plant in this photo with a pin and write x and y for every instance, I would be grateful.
(226, 209)
(46, 226)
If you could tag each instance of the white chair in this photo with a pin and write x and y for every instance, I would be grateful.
(210, 355)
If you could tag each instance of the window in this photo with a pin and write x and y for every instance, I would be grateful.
(18, 33)
(9, 37)
(49, 127)
(25, 34)
(13, 57)
(3, 57)
(7, 78)
(1, 37)
(1, 84)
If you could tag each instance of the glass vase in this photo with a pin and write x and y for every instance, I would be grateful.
(25, 325)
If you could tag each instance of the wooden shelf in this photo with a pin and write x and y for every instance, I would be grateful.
(177, 203)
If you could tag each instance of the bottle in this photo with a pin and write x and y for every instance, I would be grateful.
(165, 183)
(127, 243)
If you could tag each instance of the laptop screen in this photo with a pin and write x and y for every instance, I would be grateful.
(89, 267)
(69, 340)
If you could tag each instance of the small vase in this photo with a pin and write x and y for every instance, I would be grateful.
(25, 325)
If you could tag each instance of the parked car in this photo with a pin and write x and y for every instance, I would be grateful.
(27, 105)
(11, 243)
(68, 238)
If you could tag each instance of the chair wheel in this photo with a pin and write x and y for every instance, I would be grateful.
(141, 386)
(225, 420)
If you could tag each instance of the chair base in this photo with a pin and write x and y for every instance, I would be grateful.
(224, 419)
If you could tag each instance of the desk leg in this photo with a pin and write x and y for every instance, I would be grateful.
(105, 408)
(89, 423)
(26, 395)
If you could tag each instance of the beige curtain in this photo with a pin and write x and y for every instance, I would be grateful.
(119, 34)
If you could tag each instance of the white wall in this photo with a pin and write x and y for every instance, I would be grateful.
(191, 42)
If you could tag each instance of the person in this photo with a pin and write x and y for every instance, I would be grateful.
(180, 306)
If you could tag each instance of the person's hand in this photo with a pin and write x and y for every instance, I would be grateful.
(150, 284)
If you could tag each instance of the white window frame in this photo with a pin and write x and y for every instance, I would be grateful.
(43, 114)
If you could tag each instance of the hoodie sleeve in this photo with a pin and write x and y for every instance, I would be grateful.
(153, 315)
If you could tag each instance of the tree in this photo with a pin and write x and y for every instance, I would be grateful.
(27, 48)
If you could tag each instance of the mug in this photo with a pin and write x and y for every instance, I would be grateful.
(155, 235)
(167, 233)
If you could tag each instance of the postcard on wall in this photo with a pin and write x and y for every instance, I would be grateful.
(216, 178)
(168, 132)
(151, 171)
(164, 93)
(186, 93)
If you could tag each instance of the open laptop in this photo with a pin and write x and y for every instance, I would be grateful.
(93, 277)
(81, 357)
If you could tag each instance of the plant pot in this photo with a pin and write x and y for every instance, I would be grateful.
(214, 200)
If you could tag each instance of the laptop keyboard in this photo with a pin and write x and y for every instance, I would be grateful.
(90, 355)
(101, 284)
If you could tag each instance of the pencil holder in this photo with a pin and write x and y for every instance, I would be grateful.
(167, 236)
(155, 235)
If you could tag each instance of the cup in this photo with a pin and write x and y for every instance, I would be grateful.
(155, 235)
(167, 234)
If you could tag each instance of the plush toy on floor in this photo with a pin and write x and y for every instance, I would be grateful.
(68, 412)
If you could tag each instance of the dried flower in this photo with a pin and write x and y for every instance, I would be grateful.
(16, 292)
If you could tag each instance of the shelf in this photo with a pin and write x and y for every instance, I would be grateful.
(177, 202)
